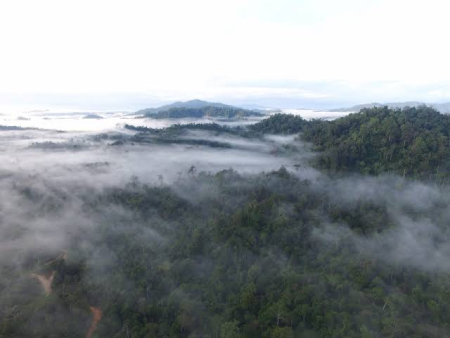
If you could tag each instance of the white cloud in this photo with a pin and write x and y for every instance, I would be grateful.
(190, 47)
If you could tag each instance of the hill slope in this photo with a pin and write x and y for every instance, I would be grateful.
(410, 142)
(280, 124)
(186, 104)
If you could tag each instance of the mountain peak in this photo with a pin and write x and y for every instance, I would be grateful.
(195, 103)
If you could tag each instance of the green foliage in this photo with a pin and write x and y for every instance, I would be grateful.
(412, 141)
(208, 111)
(281, 332)
(242, 262)
(230, 330)
(280, 124)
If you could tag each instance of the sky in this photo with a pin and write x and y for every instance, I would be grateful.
(129, 54)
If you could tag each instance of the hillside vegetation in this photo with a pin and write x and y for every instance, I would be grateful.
(280, 124)
(185, 104)
(413, 142)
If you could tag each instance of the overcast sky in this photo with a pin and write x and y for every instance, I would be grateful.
(288, 53)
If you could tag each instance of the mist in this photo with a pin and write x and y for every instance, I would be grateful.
(98, 192)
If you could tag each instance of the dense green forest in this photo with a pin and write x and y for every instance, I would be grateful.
(279, 254)
(413, 142)
(280, 124)
(244, 259)
(208, 111)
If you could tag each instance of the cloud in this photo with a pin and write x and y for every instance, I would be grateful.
(416, 234)
(141, 47)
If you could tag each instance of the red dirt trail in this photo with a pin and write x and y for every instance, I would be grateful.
(97, 315)
(45, 281)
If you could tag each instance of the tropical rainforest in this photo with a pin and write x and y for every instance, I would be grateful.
(409, 142)
(349, 239)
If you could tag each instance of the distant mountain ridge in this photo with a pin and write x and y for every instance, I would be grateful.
(443, 108)
(93, 116)
(179, 104)
(203, 112)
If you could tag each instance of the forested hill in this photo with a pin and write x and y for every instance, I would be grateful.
(209, 111)
(186, 104)
(410, 142)
(280, 124)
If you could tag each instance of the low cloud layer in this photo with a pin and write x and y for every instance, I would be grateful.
(54, 197)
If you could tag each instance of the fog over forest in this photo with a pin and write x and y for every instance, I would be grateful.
(132, 227)
(224, 169)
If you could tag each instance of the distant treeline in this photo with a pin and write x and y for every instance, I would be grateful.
(6, 128)
(179, 128)
(172, 134)
(209, 111)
